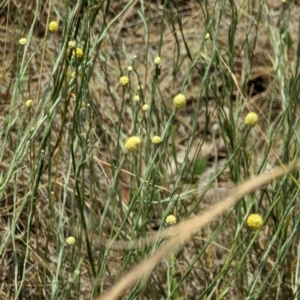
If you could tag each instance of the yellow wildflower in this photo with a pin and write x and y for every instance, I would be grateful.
(255, 221)
(70, 240)
(145, 107)
(77, 52)
(156, 139)
(133, 144)
(179, 101)
(129, 68)
(29, 103)
(71, 44)
(23, 41)
(53, 26)
(124, 80)
(157, 60)
(136, 98)
(171, 220)
(251, 119)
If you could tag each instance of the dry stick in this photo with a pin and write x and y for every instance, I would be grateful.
(259, 128)
(185, 230)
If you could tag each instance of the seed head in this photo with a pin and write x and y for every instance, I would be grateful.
(171, 220)
(53, 26)
(179, 101)
(133, 144)
(255, 221)
(251, 119)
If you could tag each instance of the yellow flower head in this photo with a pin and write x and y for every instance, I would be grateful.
(156, 139)
(133, 144)
(157, 60)
(71, 44)
(29, 103)
(70, 240)
(53, 26)
(73, 74)
(251, 119)
(129, 68)
(136, 98)
(207, 36)
(124, 80)
(179, 101)
(77, 52)
(23, 41)
(145, 107)
(171, 220)
(255, 221)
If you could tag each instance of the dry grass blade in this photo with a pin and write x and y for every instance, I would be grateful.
(188, 228)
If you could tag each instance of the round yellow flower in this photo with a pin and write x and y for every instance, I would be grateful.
(171, 220)
(207, 36)
(23, 41)
(157, 60)
(77, 52)
(133, 144)
(136, 98)
(255, 221)
(73, 74)
(70, 240)
(124, 80)
(145, 107)
(53, 26)
(251, 119)
(71, 44)
(29, 103)
(129, 68)
(156, 139)
(179, 101)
